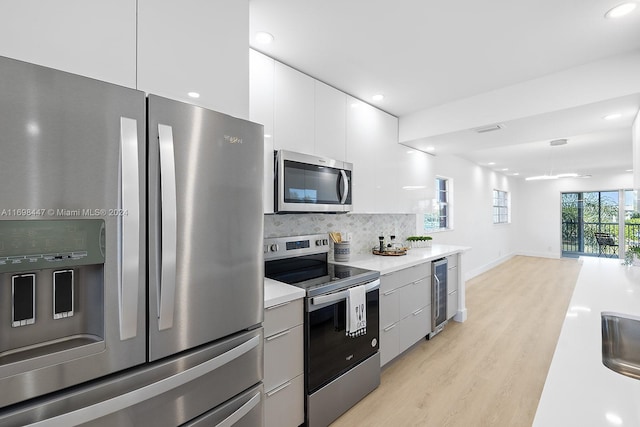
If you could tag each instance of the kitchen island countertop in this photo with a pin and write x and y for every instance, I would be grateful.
(579, 389)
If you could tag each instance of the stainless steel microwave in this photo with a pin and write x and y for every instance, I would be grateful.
(305, 183)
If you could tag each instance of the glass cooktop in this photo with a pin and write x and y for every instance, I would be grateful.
(315, 275)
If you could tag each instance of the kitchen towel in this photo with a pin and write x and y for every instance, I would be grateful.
(356, 312)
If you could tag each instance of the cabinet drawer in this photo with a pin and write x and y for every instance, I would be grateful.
(414, 295)
(283, 316)
(284, 405)
(405, 276)
(452, 279)
(283, 356)
(389, 339)
(389, 307)
(452, 304)
(415, 327)
(452, 261)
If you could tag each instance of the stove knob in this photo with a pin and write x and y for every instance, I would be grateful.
(318, 242)
(274, 248)
(325, 242)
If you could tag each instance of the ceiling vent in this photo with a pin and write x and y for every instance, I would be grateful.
(490, 128)
(557, 142)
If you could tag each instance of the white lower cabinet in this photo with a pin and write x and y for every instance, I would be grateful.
(284, 365)
(405, 309)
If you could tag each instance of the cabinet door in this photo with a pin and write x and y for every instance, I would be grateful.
(96, 39)
(294, 110)
(261, 99)
(196, 46)
(330, 122)
(415, 180)
(372, 147)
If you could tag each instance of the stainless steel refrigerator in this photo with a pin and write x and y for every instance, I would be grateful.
(130, 257)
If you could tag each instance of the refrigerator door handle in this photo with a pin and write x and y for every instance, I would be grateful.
(128, 223)
(166, 285)
(118, 403)
(437, 301)
(240, 412)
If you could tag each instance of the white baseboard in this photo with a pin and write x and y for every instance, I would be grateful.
(478, 271)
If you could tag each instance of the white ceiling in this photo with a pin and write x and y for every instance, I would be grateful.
(423, 54)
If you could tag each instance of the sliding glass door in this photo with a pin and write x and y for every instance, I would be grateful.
(599, 223)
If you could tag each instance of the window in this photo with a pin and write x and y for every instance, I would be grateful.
(500, 207)
(440, 216)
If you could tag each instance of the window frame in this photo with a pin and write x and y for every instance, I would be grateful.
(501, 207)
(437, 205)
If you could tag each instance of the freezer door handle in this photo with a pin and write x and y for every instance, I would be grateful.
(128, 222)
(123, 401)
(166, 284)
(240, 412)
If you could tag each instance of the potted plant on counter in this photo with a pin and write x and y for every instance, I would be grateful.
(419, 241)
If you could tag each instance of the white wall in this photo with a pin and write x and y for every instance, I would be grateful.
(473, 214)
(538, 210)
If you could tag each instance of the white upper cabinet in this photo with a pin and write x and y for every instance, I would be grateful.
(372, 146)
(330, 121)
(196, 46)
(415, 180)
(96, 39)
(261, 101)
(294, 113)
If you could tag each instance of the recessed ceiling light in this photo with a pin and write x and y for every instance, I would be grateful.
(515, 173)
(541, 177)
(629, 170)
(194, 95)
(612, 116)
(504, 169)
(430, 149)
(263, 37)
(266, 135)
(491, 163)
(378, 97)
(620, 10)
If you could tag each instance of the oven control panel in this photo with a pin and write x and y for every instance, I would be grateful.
(286, 247)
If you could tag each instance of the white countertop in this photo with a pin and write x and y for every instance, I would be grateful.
(580, 390)
(278, 293)
(389, 264)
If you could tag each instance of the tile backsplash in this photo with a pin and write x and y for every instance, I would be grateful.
(363, 228)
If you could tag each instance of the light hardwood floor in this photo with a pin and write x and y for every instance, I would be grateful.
(487, 371)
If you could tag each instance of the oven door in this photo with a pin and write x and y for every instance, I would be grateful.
(307, 183)
(329, 351)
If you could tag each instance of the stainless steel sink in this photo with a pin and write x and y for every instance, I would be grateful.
(621, 343)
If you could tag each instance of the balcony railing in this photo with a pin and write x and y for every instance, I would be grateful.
(579, 239)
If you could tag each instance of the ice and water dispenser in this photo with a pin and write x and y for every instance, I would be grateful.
(51, 293)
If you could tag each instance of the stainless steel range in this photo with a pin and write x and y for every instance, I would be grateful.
(342, 365)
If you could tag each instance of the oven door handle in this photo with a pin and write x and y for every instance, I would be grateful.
(339, 296)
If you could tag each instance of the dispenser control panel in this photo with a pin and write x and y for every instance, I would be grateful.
(27, 245)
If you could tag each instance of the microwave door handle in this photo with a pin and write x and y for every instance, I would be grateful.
(166, 283)
(344, 183)
(128, 228)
